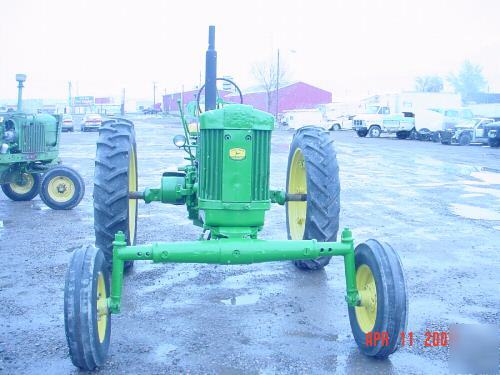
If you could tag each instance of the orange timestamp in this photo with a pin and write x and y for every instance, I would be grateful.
(430, 339)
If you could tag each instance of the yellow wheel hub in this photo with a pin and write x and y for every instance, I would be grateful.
(61, 189)
(102, 308)
(366, 313)
(26, 187)
(297, 184)
(132, 203)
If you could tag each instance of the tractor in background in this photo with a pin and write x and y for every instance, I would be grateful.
(29, 159)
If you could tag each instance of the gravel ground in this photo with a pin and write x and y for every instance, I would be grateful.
(438, 206)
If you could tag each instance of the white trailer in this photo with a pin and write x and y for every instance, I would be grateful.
(297, 118)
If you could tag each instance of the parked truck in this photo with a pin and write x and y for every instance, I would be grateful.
(395, 113)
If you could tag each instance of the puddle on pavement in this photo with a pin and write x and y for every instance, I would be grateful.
(473, 195)
(475, 213)
(163, 350)
(244, 299)
(490, 178)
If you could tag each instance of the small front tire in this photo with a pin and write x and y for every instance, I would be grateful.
(87, 319)
(62, 188)
(23, 192)
(383, 310)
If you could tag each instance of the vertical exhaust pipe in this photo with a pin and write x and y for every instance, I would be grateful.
(211, 72)
(20, 78)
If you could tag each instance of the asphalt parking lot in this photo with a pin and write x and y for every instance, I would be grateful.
(438, 206)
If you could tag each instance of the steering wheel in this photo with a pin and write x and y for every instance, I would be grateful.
(220, 101)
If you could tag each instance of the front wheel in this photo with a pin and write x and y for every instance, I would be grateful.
(25, 189)
(381, 317)
(87, 319)
(313, 170)
(464, 139)
(62, 188)
(362, 133)
(375, 131)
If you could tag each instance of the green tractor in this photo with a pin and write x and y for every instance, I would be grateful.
(29, 164)
(225, 188)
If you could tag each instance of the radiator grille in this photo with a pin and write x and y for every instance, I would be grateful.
(211, 153)
(32, 138)
(260, 165)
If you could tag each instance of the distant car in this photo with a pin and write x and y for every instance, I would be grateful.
(466, 132)
(150, 111)
(91, 121)
(340, 122)
(67, 124)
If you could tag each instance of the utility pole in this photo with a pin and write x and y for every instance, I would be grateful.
(70, 101)
(277, 84)
(154, 94)
(122, 106)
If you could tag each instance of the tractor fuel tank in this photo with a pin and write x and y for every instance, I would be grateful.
(234, 155)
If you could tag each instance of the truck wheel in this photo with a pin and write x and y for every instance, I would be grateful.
(87, 320)
(362, 133)
(383, 311)
(413, 134)
(62, 188)
(402, 134)
(375, 131)
(23, 192)
(114, 177)
(464, 139)
(313, 170)
(494, 142)
(336, 127)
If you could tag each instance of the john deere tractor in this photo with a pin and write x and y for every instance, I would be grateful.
(225, 188)
(29, 163)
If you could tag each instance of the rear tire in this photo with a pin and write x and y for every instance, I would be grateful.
(62, 188)
(384, 303)
(375, 131)
(494, 142)
(313, 169)
(336, 127)
(25, 192)
(115, 175)
(87, 320)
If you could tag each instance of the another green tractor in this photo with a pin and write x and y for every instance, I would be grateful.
(29, 164)
(225, 188)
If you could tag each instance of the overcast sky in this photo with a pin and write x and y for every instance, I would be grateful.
(348, 47)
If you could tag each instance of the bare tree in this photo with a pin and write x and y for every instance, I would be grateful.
(266, 73)
(429, 83)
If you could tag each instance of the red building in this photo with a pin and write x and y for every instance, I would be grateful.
(297, 95)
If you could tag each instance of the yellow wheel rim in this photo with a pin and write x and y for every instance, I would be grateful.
(132, 203)
(26, 188)
(366, 313)
(61, 189)
(297, 184)
(102, 308)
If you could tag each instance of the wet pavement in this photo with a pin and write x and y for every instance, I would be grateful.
(438, 206)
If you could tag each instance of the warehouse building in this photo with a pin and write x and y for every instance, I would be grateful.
(296, 95)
